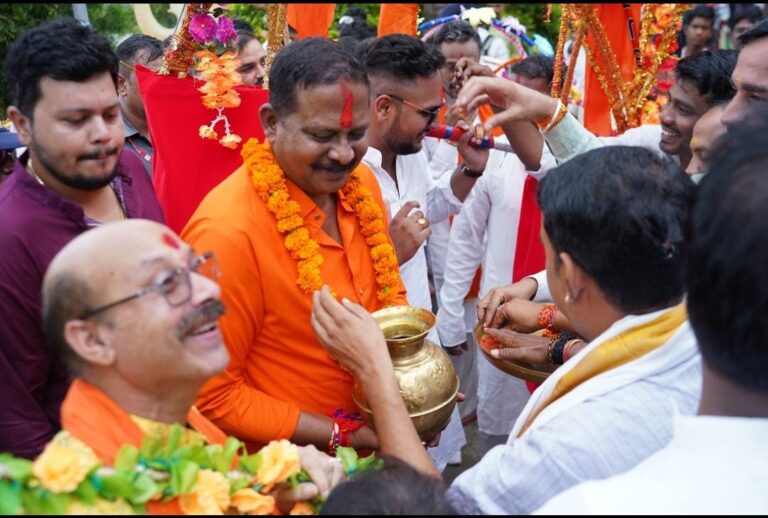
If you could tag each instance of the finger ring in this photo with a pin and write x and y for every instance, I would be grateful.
(422, 222)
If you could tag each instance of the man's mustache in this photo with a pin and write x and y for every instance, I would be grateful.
(209, 312)
(333, 167)
(98, 153)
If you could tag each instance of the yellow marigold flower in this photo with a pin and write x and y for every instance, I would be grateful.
(210, 495)
(302, 509)
(296, 239)
(248, 501)
(230, 141)
(289, 224)
(64, 463)
(207, 132)
(279, 460)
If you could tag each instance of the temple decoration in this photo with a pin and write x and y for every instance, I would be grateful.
(277, 35)
(149, 25)
(652, 48)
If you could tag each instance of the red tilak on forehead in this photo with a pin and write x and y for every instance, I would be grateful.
(346, 111)
(171, 241)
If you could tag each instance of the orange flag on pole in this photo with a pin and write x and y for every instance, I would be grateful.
(311, 19)
(398, 19)
(597, 109)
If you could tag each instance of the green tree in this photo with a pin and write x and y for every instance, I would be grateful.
(15, 19)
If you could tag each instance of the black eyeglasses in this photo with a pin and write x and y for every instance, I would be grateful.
(175, 285)
(429, 114)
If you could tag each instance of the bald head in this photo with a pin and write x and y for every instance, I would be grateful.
(128, 304)
(80, 276)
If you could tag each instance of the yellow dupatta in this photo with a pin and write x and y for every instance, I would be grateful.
(616, 351)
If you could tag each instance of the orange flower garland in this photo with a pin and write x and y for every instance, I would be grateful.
(269, 182)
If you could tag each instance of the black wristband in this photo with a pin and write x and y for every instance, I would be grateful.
(558, 346)
(466, 171)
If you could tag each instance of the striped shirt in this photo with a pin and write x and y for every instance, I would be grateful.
(599, 438)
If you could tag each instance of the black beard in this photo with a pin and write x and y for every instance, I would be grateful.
(77, 181)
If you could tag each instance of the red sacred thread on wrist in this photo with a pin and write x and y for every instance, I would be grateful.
(344, 423)
(546, 317)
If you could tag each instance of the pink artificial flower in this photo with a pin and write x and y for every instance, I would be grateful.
(202, 28)
(225, 31)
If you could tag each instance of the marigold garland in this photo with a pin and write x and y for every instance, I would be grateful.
(68, 478)
(269, 181)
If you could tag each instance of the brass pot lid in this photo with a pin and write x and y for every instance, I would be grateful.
(516, 369)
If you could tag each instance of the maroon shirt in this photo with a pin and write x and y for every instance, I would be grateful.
(35, 223)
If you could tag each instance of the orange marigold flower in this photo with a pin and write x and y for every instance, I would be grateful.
(230, 141)
(207, 132)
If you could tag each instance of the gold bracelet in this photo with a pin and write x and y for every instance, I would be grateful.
(544, 123)
(558, 118)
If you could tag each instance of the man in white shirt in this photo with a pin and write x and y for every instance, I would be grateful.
(486, 231)
(406, 97)
(717, 461)
(611, 405)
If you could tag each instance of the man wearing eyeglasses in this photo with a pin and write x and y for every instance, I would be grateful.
(139, 330)
(407, 96)
(75, 175)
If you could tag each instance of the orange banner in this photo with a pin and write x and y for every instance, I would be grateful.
(597, 109)
(311, 19)
(398, 19)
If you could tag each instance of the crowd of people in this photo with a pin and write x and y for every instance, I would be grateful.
(640, 254)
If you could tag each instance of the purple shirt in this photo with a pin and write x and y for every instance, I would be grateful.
(35, 223)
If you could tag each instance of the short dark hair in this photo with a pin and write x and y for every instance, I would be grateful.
(710, 72)
(65, 298)
(358, 29)
(242, 25)
(700, 11)
(64, 50)
(620, 213)
(536, 66)
(749, 12)
(395, 489)
(128, 50)
(759, 31)
(403, 57)
(728, 254)
(457, 31)
(307, 63)
(243, 38)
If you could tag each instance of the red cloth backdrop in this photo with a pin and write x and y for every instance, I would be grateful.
(398, 19)
(185, 166)
(597, 109)
(311, 19)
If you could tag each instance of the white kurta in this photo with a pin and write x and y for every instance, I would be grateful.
(713, 465)
(603, 427)
(437, 201)
(486, 232)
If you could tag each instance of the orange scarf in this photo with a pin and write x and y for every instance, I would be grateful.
(91, 416)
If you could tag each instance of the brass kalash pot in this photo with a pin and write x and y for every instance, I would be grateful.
(424, 372)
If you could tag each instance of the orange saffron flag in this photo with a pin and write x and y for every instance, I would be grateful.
(398, 19)
(311, 19)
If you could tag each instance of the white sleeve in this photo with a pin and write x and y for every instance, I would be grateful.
(542, 292)
(441, 202)
(465, 254)
(443, 158)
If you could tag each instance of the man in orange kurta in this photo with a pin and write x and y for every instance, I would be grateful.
(280, 382)
(139, 330)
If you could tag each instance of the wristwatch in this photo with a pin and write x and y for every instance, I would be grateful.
(466, 171)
